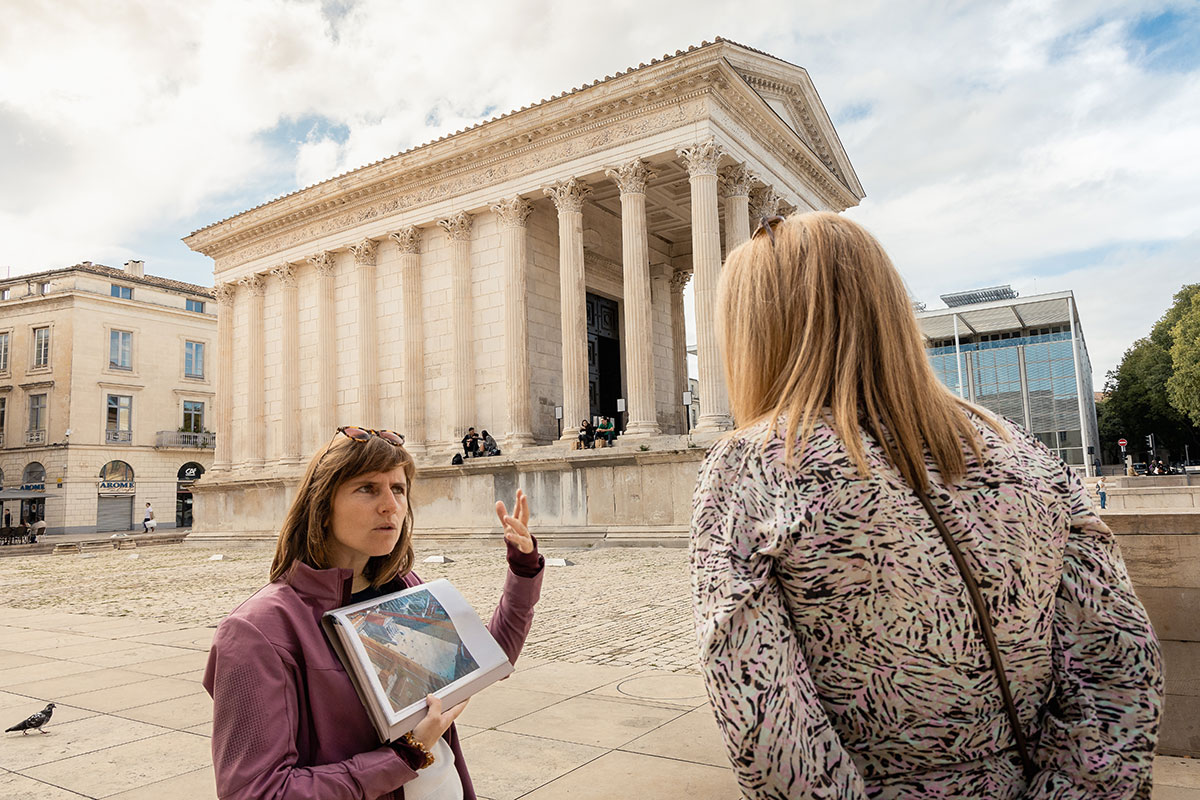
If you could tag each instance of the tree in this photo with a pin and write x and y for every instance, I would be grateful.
(1183, 319)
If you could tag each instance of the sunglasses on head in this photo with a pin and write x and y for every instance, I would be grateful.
(767, 224)
(364, 434)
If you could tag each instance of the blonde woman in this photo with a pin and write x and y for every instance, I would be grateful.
(847, 652)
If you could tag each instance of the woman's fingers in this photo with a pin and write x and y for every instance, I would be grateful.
(454, 711)
(502, 510)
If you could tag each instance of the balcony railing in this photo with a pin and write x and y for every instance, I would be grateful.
(182, 439)
(35, 437)
(118, 437)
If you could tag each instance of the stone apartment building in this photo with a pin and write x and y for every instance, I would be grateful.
(106, 394)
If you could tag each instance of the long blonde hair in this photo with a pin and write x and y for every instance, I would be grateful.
(306, 529)
(819, 324)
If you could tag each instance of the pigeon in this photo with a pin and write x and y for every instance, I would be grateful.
(35, 722)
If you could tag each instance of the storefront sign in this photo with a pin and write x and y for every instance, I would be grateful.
(117, 487)
(33, 487)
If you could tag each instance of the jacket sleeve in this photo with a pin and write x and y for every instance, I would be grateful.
(1101, 728)
(778, 737)
(255, 719)
(513, 616)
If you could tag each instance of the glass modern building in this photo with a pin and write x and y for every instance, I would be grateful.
(1023, 358)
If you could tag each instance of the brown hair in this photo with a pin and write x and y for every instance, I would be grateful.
(820, 325)
(305, 533)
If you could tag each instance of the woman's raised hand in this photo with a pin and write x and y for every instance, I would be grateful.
(516, 525)
(436, 721)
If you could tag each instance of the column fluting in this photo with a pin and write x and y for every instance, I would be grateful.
(327, 411)
(368, 338)
(702, 161)
(256, 432)
(513, 214)
(408, 240)
(289, 447)
(631, 178)
(735, 185)
(462, 407)
(568, 197)
(223, 455)
(679, 279)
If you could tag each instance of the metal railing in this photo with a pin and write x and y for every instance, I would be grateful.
(118, 437)
(35, 437)
(183, 439)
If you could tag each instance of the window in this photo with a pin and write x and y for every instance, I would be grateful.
(120, 350)
(195, 305)
(193, 416)
(3, 420)
(43, 287)
(119, 421)
(193, 359)
(37, 412)
(5, 294)
(123, 292)
(4, 352)
(117, 471)
(41, 347)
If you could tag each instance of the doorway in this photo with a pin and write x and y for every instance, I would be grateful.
(604, 357)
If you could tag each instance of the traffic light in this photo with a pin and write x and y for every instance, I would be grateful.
(1150, 440)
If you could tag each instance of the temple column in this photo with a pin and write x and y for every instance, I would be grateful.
(702, 160)
(631, 178)
(326, 347)
(513, 214)
(462, 408)
(290, 446)
(568, 198)
(679, 279)
(409, 242)
(256, 432)
(735, 184)
(764, 202)
(223, 455)
(368, 325)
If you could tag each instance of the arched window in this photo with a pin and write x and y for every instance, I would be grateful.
(116, 471)
(1, 479)
(34, 473)
(190, 471)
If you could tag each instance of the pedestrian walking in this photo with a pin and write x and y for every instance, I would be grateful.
(898, 594)
(148, 520)
(1102, 492)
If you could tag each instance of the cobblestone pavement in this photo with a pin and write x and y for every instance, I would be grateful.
(615, 606)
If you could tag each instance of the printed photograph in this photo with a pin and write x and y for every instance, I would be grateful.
(413, 646)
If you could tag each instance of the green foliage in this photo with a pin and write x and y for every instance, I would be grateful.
(1156, 387)
(1183, 387)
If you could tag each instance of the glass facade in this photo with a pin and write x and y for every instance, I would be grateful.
(1031, 380)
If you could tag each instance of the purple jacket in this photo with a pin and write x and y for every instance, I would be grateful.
(287, 723)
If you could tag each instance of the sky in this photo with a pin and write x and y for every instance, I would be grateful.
(1047, 145)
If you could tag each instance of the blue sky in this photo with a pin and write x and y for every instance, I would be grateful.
(1051, 145)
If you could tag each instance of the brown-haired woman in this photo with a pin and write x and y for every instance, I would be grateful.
(840, 642)
(286, 720)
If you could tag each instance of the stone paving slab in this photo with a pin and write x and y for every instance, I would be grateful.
(623, 714)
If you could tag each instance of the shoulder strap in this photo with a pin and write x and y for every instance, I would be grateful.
(984, 618)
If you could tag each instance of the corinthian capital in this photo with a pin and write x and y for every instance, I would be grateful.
(255, 284)
(631, 177)
(764, 202)
(323, 263)
(458, 227)
(679, 279)
(224, 293)
(286, 274)
(735, 181)
(513, 212)
(568, 195)
(364, 252)
(703, 158)
(407, 239)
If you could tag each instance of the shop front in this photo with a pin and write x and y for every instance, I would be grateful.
(114, 497)
(189, 473)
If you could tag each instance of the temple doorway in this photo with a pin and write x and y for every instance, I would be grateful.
(604, 357)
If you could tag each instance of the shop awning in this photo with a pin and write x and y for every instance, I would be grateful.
(23, 494)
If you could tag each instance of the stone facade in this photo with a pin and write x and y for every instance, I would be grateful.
(456, 284)
(119, 338)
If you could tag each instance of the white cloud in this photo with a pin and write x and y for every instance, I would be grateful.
(990, 137)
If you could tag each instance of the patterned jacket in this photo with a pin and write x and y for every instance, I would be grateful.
(839, 644)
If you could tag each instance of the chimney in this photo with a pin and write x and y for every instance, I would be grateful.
(136, 269)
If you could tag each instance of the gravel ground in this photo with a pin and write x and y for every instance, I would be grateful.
(621, 606)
